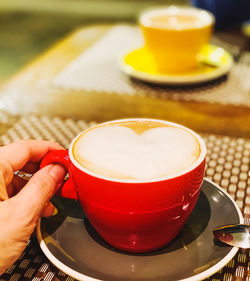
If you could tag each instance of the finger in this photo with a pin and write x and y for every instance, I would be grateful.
(48, 210)
(14, 156)
(3, 190)
(20, 179)
(19, 153)
(40, 189)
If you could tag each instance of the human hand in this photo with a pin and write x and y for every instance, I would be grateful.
(22, 203)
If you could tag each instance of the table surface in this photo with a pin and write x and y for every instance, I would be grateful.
(32, 91)
(31, 107)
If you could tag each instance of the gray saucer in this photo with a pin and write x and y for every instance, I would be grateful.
(70, 242)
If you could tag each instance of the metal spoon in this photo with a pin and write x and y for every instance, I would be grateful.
(211, 57)
(234, 235)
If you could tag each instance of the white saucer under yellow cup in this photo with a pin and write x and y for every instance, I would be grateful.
(177, 48)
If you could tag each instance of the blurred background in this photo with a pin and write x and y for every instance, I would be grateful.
(29, 27)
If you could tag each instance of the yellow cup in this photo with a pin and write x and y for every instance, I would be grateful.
(175, 36)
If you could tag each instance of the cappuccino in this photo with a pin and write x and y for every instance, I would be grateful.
(139, 150)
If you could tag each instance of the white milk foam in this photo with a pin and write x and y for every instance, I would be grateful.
(177, 18)
(119, 152)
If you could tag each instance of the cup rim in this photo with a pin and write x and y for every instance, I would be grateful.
(194, 165)
(155, 9)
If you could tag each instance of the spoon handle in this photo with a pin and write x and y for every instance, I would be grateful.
(234, 235)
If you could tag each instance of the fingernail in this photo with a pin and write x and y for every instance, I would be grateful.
(49, 210)
(58, 172)
(55, 211)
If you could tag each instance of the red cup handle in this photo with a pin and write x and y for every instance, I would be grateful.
(61, 157)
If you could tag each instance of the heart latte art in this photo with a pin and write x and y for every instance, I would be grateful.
(136, 150)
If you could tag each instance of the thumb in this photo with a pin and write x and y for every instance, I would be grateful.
(41, 188)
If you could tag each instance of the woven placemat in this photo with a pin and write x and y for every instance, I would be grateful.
(97, 70)
(227, 165)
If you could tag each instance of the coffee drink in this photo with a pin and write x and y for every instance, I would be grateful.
(136, 150)
(176, 35)
(137, 180)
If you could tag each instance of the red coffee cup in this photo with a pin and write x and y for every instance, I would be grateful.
(135, 216)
